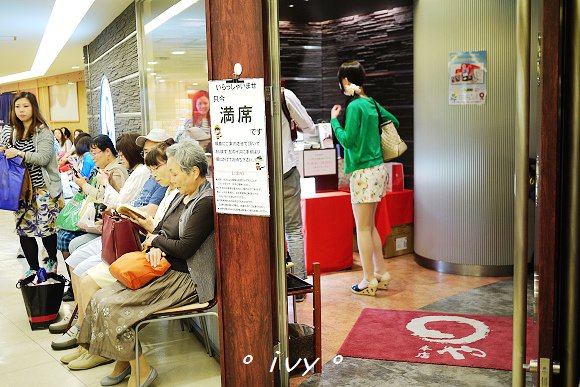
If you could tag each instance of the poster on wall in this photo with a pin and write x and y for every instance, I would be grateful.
(64, 104)
(240, 160)
(467, 75)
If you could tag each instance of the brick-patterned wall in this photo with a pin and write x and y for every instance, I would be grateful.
(382, 40)
(120, 66)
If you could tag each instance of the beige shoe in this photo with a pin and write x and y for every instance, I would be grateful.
(87, 361)
(78, 352)
(384, 280)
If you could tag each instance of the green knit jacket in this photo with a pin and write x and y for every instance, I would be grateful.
(360, 137)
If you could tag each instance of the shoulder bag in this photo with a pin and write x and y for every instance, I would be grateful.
(392, 146)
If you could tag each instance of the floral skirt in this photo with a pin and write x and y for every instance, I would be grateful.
(108, 328)
(368, 185)
(38, 219)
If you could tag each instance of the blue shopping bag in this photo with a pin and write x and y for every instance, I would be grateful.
(11, 177)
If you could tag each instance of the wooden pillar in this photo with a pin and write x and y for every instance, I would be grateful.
(236, 34)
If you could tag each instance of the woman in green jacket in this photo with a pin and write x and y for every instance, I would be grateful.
(363, 158)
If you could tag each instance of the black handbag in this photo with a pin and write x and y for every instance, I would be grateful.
(42, 301)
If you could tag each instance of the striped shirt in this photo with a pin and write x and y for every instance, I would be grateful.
(25, 145)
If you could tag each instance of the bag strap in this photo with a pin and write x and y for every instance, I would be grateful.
(293, 126)
(379, 114)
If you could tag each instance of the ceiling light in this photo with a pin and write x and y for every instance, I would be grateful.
(172, 11)
(64, 19)
(71, 83)
(195, 83)
(152, 63)
(179, 81)
(161, 80)
(291, 6)
(153, 73)
(76, 67)
(178, 52)
(148, 69)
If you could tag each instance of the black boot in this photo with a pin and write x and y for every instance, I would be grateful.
(68, 295)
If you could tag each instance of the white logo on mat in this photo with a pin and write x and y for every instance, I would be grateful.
(417, 326)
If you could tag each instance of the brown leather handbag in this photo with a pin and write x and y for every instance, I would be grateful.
(120, 236)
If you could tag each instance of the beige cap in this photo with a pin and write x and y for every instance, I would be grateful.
(155, 135)
(196, 133)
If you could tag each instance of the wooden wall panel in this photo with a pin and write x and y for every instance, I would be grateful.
(244, 288)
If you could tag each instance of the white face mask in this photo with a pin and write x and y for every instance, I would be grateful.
(350, 89)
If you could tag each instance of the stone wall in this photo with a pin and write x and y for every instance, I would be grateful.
(114, 54)
(382, 40)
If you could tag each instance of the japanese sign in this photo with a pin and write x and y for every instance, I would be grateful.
(240, 169)
(319, 162)
(467, 75)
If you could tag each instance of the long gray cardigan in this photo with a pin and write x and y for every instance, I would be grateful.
(45, 157)
(202, 265)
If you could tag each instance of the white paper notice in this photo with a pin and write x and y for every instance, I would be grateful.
(240, 160)
(319, 162)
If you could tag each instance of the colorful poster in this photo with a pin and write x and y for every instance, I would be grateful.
(467, 75)
(240, 160)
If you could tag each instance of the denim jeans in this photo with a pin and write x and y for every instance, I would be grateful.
(293, 222)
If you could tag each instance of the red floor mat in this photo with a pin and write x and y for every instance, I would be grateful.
(430, 337)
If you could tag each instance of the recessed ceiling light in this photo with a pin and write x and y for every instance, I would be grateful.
(76, 67)
(148, 69)
(291, 6)
(195, 83)
(152, 63)
(172, 11)
(178, 52)
(71, 83)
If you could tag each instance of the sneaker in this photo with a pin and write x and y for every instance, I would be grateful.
(68, 340)
(78, 352)
(68, 295)
(29, 272)
(62, 325)
(50, 265)
(87, 361)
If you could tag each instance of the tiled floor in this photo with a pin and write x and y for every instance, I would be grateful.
(26, 358)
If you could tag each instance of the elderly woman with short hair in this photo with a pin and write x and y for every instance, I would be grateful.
(107, 331)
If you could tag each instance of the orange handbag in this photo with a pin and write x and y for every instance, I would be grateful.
(134, 271)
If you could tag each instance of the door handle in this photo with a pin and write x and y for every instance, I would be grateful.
(532, 366)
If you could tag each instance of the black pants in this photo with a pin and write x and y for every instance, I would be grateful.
(30, 249)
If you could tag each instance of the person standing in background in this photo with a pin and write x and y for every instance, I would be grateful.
(295, 117)
(201, 111)
(363, 158)
(30, 138)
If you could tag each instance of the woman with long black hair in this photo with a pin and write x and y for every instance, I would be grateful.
(30, 138)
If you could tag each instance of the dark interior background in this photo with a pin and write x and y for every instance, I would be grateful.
(316, 36)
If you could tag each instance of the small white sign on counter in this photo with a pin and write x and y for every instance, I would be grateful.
(319, 162)
(240, 159)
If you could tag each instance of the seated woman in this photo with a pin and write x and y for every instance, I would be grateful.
(132, 160)
(104, 155)
(183, 229)
(85, 163)
(90, 272)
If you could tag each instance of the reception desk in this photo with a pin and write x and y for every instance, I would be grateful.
(328, 224)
